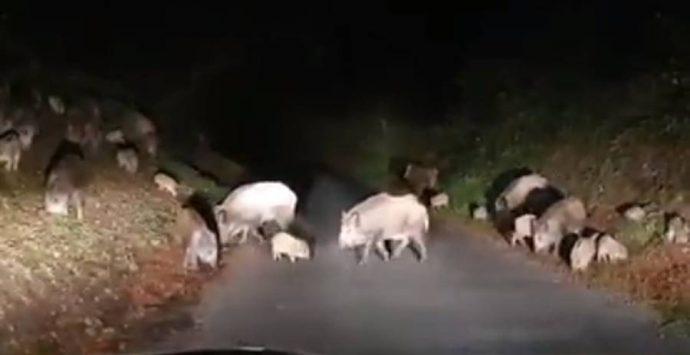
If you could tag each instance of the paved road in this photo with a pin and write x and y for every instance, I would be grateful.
(468, 298)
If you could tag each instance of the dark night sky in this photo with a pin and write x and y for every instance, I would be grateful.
(381, 48)
(290, 58)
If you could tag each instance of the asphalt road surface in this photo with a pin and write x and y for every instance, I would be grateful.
(468, 298)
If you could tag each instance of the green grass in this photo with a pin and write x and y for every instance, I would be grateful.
(675, 319)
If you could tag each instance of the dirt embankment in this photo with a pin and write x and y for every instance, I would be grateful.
(91, 286)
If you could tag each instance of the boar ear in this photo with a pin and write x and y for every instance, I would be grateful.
(408, 169)
(221, 216)
(355, 216)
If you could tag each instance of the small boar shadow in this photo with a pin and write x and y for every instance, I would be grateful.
(500, 183)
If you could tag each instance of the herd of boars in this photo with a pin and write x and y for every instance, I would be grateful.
(266, 209)
(541, 216)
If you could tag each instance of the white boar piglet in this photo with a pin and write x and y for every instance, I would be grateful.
(439, 201)
(166, 183)
(64, 186)
(115, 137)
(610, 250)
(384, 217)
(247, 207)
(523, 229)
(128, 159)
(677, 230)
(56, 105)
(583, 253)
(565, 216)
(285, 244)
(10, 150)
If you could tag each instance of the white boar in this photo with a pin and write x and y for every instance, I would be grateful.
(10, 150)
(523, 229)
(439, 201)
(285, 244)
(516, 193)
(635, 213)
(250, 205)
(115, 137)
(583, 253)
(610, 250)
(128, 160)
(677, 230)
(480, 213)
(565, 216)
(385, 217)
(56, 105)
(166, 182)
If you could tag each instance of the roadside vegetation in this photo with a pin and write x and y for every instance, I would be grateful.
(610, 142)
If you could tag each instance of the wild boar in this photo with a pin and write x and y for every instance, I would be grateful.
(439, 201)
(57, 105)
(64, 186)
(610, 250)
(93, 135)
(199, 241)
(583, 253)
(385, 217)
(115, 137)
(165, 182)
(6, 124)
(479, 212)
(516, 193)
(149, 144)
(523, 229)
(420, 178)
(565, 216)
(141, 131)
(635, 213)
(74, 133)
(250, 205)
(128, 159)
(677, 230)
(285, 244)
(10, 150)
(27, 132)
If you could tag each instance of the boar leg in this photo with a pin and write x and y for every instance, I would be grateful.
(15, 162)
(365, 252)
(78, 204)
(381, 248)
(190, 260)
(400, 247)
(190, 255)
(421, 247)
